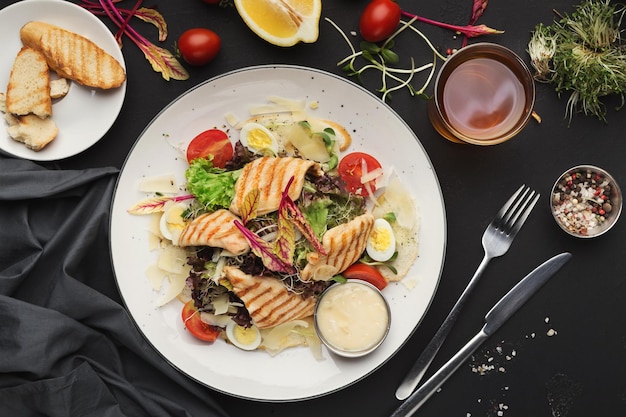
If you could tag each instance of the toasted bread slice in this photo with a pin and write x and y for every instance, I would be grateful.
(28, 90)
(32, 130)
(73, 56)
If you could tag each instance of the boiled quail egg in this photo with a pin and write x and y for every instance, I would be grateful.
(246, 338)
(172, 222)
(258, 139)
(381, 243)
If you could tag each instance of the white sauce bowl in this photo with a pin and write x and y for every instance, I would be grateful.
(352, 319)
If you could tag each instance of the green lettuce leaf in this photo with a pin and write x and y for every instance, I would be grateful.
(213, 187)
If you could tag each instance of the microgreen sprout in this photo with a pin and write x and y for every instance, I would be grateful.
(381, 58)
(365, 259)
(582, 54)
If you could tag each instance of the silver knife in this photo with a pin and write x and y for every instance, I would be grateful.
(500, 313)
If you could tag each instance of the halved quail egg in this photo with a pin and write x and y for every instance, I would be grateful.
(381, 243)
(258, 139)
(172, 222)
(246, 338)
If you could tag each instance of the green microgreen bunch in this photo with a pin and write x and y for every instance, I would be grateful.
(582, 54)
(382, 58)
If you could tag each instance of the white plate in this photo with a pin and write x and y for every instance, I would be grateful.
(294, 374)
(85, 114)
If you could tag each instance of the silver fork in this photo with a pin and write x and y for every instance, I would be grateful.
(496, 242)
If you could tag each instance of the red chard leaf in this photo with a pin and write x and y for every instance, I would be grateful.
(265, 251)
(249, 206)
(153, 205)
(285, 243)
(155, 18)
(298, 219)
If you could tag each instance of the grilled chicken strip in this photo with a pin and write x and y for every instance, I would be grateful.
(344, 244)
(267, 299)
(271, 176)
(216, 229)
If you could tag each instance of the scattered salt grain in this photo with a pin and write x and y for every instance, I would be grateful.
(551, 332)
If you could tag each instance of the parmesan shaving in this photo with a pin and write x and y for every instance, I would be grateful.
(368, 187)
(173, 259)
(260, 109)
(372, 175)
(283, 336)
(154, 232)
(165, 184)
(176, 285)
(312, 148)
(155, 277)
(220, 304)
(213, 320)
(231, 118)
(292, 105)
(401, 203)
(409, 283)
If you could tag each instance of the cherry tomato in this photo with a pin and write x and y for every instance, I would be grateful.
(195, 325)
(211, 142)
(379, 20)
(366, 273)
(198, 46)
(350, 170)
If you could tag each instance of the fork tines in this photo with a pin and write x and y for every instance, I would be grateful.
(515, 211)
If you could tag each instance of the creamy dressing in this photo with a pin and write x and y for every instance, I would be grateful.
(352, 317)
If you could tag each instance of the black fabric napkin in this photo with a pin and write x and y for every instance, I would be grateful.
(67, 345)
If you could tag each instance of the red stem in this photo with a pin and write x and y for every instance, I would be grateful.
(113, 14)
(432, 22)
(127, 20)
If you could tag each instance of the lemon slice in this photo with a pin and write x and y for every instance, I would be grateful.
(282, 22)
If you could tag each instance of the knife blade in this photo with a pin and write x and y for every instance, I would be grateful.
(494, 319)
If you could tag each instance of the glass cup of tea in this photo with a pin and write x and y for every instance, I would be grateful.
(484, 95)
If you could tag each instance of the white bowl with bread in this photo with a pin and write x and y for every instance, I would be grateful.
(55, 101)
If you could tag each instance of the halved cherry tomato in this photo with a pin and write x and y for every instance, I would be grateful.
(211, 142)
(366, 273)
(350, 170)
(379, 20)
(195, 325)
(198, 46)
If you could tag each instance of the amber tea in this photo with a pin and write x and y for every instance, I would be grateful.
(484, 95)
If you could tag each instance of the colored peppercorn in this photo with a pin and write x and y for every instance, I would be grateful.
(581, 201)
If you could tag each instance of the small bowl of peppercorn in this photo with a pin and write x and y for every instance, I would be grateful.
(586, 201)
